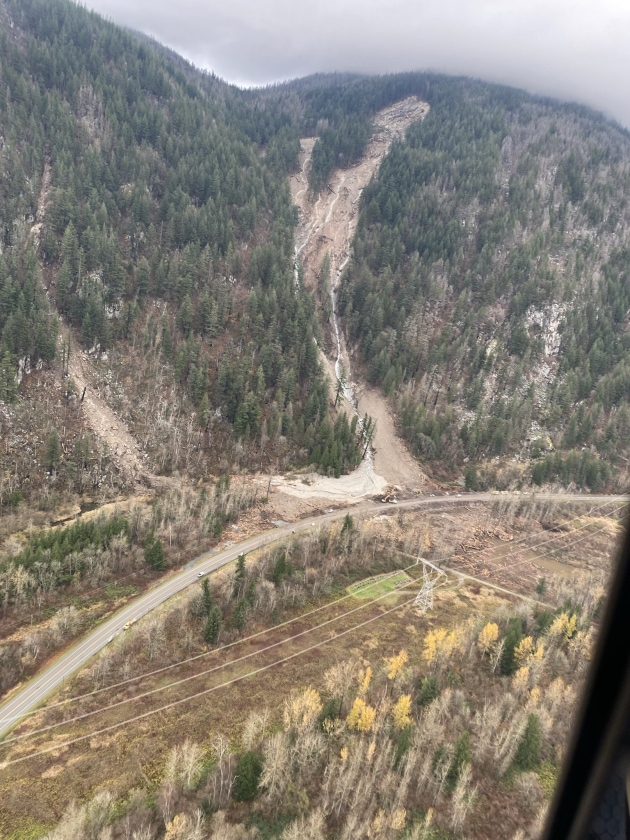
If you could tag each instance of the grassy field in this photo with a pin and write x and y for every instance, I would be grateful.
(379, 585)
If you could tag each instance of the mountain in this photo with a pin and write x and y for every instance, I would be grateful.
(146, 219)
(489, 292)
(160, 230)
(223, 310)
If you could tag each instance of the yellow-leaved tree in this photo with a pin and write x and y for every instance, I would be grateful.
(523, 651)
(301, 711)
(439, 646)
(383, 823)
(520, 680)
(183, 827)
(365, 678)
(401, 713)
(395, 664)
(361, 716)
(564, 625)
(398, 819)
(488, 637)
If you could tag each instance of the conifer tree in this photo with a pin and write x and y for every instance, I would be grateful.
(528, 752)
(53, 451)
(207, 596)
(213, 626)
(239, 577)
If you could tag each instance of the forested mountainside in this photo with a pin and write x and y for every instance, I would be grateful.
(149, 203)
(161, 228)
(146, 205)
(489, 292)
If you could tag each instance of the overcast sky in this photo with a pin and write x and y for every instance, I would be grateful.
(573, 49)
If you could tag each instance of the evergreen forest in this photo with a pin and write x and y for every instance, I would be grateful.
(145, 207)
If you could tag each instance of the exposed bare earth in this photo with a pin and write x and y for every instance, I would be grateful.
(392, 459)
(358, 484)
(124, 450)
(36, 228)
(327, 225)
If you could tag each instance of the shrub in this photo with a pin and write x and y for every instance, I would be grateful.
(239, 615)
(512, 640)
(213, 626)
(329, 712)
(461, 756)
(528, 752)
(544, 620)
(548, 778)
(403, 743)
(15, 498)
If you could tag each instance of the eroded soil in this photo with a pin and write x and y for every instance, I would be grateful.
(327, 225)
(123, 448)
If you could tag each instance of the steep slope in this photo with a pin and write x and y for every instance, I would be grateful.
(326, 226)
(165, 238)
(101, 420)
(488, 294)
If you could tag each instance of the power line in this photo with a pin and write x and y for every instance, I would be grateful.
(512, 565)
(207, 690)
(557, 536)
(222, 685)
(256, 635)
(246, 656)
(579, 528)
(206, 653)
(545, 554)
(215, 668)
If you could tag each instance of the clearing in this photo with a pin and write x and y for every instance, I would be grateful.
(379, 585)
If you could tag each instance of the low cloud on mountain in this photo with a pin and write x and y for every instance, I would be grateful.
(572, 49)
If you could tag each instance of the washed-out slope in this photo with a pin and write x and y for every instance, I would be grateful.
(327, 224)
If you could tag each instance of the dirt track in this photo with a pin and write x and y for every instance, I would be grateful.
(327, 225)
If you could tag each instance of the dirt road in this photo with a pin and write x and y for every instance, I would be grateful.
(327, 225)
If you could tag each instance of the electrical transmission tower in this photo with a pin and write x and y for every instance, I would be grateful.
(424, 598)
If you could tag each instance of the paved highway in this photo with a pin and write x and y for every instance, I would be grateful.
(35, 691)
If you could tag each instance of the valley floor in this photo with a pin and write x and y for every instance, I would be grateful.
(493, 557)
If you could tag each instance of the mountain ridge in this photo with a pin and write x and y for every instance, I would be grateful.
(165, 245)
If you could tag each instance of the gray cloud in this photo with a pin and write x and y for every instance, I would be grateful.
(573, 49)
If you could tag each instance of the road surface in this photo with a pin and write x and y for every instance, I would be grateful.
(34, 692)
